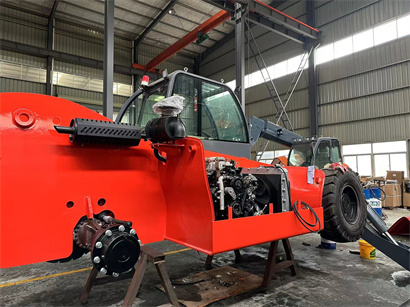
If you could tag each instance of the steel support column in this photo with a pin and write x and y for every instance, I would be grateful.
(197, 64)
(50, 46)
(135, 60)
(312, 76)
(240, 53)
(108, 95)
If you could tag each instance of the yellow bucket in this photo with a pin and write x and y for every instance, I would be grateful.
(367, 251)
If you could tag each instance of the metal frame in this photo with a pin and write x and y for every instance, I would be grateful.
(108, 81)
(140, 38)
(153, 23)
(312, 74)
(50, 46)
(226, 147)
(264, 17)
(205, 27)
(280, 18)
(240, 13)
(226, 38)
(399, 253)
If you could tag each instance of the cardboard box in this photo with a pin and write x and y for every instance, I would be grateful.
(364, 179)
(406, 196)
(282, 160)
(405, 181)
(393, 195)
(395, 175)
(406, 200)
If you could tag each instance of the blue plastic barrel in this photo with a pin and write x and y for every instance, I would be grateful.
(375, 202)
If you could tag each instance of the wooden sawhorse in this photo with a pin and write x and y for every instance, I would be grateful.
(271, 266)
(148, 254)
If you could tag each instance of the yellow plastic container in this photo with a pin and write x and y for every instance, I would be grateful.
(367, 251)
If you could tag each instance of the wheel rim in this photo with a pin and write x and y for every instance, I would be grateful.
(349, 204)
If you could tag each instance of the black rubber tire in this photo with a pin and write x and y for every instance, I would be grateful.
(344, 206)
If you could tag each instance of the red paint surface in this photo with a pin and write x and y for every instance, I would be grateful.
(40, 171)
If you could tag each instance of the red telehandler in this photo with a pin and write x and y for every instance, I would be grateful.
(108, 186)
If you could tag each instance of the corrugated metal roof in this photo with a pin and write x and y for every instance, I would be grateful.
(132, 17)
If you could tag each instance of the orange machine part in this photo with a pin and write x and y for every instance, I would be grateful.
(48, 183)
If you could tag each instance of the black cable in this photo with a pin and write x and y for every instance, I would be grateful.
(302, 220)
(381, 192)
(158, 156)
(295, 209)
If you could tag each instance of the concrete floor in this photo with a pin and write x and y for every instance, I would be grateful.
(326, 278)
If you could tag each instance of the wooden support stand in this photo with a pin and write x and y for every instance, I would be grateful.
(147, 255)
(272, 267)
(208, 261)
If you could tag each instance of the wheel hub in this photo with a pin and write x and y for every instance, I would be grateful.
(349, 202)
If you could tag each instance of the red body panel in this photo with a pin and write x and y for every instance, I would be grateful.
(41, 170)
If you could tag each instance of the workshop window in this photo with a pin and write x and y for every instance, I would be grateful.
(385, 32)
(363, 40)
(377, 158)
(403, 26)
(390, 156)
(343, 47)
(324, 54)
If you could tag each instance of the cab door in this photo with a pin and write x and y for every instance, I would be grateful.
(327, 152)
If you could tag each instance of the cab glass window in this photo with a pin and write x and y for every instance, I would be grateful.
(336, 156)
(210, 111)
(323, 152)
(187, 87)
(301, 154)
(221, 115)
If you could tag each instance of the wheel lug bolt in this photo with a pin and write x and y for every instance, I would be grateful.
(133, 232)
(108, 233)
(97, 259)
(103, 270)
(114, 274)
(98, 245)
(121, 228)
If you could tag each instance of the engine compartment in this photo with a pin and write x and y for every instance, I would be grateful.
(246, 191)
